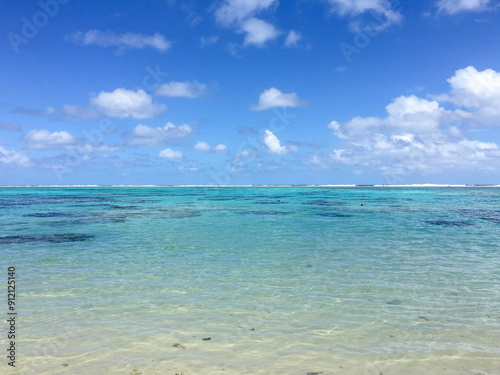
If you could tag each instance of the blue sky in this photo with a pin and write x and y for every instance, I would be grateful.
(249, 92)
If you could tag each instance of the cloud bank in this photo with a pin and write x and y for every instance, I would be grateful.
(420, 135)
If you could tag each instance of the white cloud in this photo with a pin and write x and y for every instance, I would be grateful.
(478, 93)
(144, 135)
(62, 140)
(456, 6)
(13, 158)
(202, 146)
(273, 97)
(182, 89)
(231, 11)
(273, 143)
(258, 32)
(220, 149)
(292, 38)
(241, 15)
(122, 41)
(355, 8)
(419, 135)
(171, 155)
(45, 140)
(127, 103)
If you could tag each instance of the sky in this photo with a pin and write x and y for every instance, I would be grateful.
(231, 92)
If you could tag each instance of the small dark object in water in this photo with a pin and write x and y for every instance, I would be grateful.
(206, 339)
(252, 329)
(395, 302)
(363, 204)
(314, 373)
(177, 345)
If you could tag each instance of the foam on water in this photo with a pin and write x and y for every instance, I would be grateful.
(254, 280)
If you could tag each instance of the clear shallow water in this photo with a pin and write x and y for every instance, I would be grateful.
(282, 280)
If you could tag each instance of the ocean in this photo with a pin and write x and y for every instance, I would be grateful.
(252, 280)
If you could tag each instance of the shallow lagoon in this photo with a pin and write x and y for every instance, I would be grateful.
(249, 280)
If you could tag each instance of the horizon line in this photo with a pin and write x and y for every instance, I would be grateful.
(257, 185)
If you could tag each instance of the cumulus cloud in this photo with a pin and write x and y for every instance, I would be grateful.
(201, 146)
(419, 135)
(273, 97)
(169, 154)
(258, 32)
(182, 89)
(273, 144)
(118, 103)
(204, 146)
(241, 15)
(144, 135)
(354, 8)
(13, 158)
(231, 11)
(45, 140)
(127, 103)
(292, 39)
(121, 41)
(455, 6)
(62, 140)
(478, 92)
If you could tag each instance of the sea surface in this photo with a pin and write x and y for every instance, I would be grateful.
(252, 280)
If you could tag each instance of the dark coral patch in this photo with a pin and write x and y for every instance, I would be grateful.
(50, 214)
(323, 203)
(52, 238)
(333, 214)
(270, 202)
(251, 212)
(450, 223)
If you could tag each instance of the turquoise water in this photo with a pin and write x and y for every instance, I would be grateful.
(254, 280)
